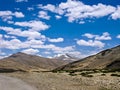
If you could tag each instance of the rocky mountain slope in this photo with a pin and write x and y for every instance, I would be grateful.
(24, 62)
(109, 59)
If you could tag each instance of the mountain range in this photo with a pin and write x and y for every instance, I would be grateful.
(107, 59)
(25, 62)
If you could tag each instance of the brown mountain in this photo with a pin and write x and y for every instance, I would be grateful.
(24, 62)
(109, 58)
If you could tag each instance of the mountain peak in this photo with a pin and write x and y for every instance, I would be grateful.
(66, 57)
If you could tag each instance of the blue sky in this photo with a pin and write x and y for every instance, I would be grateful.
(48, 28)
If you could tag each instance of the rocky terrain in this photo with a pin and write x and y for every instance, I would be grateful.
(107, 59)
(64, 81)
(91, 73)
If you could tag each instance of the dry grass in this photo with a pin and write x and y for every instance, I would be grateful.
(63, 81)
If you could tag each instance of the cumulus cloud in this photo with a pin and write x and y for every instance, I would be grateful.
(56, 40)
(33, 25)
(1, 36)
(118, 36)
(30, 8)
(18, 44)
(58, 17)
(43, 15)
(31, 51)
(104, 36)
(9, 36)
(19, 14)
(55, 49)
(89, 35)
(18, 32)
(77, 11)
(116, 14)
(49, 7)
(12, 44)
(92, 43)
(21, 0)
(8, 15)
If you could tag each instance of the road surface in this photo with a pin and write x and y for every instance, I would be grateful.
(9, 83)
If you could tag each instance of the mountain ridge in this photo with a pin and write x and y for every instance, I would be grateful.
(108, 59)
(26, 62)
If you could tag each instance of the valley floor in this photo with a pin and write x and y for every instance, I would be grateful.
(63, 81)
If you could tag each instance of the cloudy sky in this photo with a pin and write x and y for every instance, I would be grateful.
(52, 27)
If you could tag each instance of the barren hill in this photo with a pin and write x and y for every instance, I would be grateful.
(24, 62)
(109, 58)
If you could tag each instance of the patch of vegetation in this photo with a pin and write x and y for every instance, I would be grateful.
(72, 74)
(103, 88)
(117, 75)
(103, 74)
(86, 74)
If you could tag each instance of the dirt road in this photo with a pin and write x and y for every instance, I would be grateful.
(9, 83)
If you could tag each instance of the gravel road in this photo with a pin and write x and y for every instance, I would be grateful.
(9, 83)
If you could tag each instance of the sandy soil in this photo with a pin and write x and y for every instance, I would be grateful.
(63, 81)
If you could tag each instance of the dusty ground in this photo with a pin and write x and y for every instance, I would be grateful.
(63, 81)
(9, 83)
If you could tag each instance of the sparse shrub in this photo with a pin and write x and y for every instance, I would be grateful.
(115, 75)
(86, 75)
(83, 74)
(72, 74)
(103, 74)
(103, 88)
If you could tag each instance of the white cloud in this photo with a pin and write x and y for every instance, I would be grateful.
(30, 8)
(116, 14)
(19, 14)
(12, 44)
(104, 36)
(9, 36)
(43, 15)
(89, 35)
(10, 22)
(92, 43)
(55, 49)
(49, 7)
(56, 40)
(77, 11)
(81, 22)
(1, 36)
(8, 15)
(58, 17)
(31, 51)
(34, 25)
(18, 32)
(118, 36)
(21, 0)
(17, 44)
